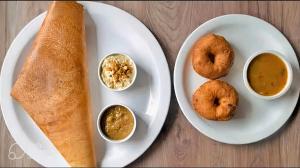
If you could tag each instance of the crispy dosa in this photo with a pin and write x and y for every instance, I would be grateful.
(52, 86)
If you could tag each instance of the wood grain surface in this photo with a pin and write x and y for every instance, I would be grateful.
(179, 144)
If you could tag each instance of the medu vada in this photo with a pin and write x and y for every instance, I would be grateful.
(215, 100)
(212, 56)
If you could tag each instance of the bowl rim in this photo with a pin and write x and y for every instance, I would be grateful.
(99, 73)
(99, 125)
(289, 73)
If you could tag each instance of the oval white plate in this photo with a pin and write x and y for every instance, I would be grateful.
(255, 119)
(108, 30)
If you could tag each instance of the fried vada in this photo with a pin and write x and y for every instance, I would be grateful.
(212, 56)
(215, 100)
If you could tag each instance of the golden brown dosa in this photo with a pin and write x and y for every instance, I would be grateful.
(52, 85)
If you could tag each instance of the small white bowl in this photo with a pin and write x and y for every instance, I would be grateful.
(289, 77)
(133, 78)
(101, 132)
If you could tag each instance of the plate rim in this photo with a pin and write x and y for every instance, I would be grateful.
(164, 103)
(181, 57)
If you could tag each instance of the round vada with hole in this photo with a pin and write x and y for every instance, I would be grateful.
(212, 56)
(215, 100)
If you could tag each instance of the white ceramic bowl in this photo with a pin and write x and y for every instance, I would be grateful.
(101, 132)
(133, 78)
(289, 73)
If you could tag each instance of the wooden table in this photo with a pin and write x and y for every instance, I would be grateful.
(179, 144)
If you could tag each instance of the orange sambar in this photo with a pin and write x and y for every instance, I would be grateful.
(267, 74)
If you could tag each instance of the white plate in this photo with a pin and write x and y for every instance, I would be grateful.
(109, 30)
(255, 119)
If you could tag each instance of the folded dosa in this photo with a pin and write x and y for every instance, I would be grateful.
(52, 86)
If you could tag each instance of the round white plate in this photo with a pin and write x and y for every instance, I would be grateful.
(255, 119)
(109, 30)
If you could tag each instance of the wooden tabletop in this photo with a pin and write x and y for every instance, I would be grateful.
(179, 144)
